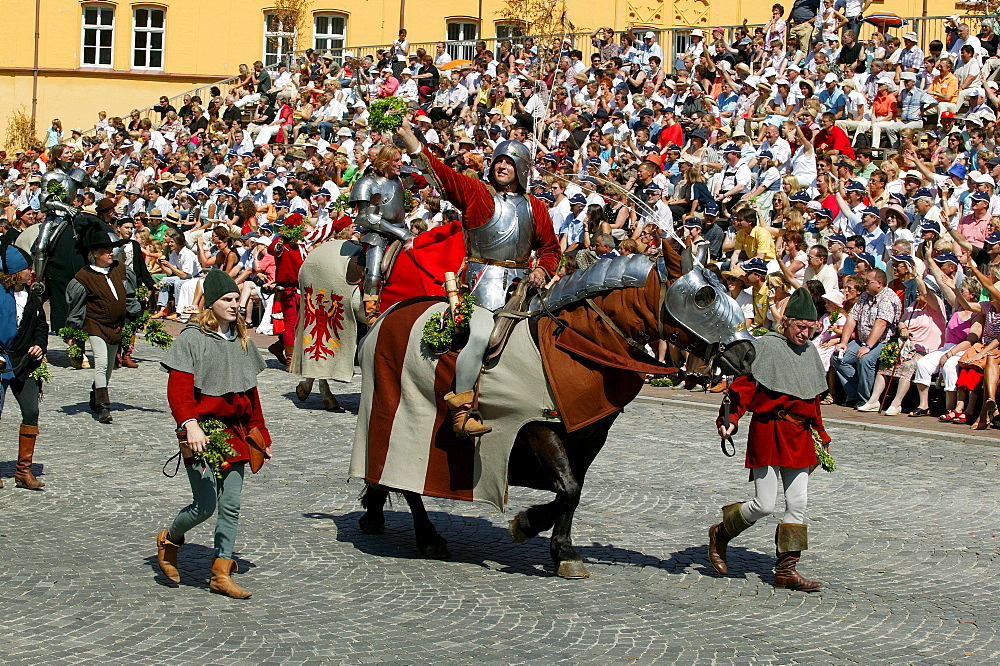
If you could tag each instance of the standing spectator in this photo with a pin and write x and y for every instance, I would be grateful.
(868, 327)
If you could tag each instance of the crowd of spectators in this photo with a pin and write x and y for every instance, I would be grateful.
(791, 156)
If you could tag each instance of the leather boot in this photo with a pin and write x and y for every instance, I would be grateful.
(462, 423)
(118, 359)
(720, 534)
(222, 583)
(93, 400)
(23, 478)
(278, 350)
(166, 556)
(371, 309)
(790, 540)
(127, 354)
(103, 405)
(289, 352)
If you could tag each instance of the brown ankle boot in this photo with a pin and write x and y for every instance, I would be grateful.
(278, 350)
(289, 352)
(222, 583)
(462, 423)
(127, 354)
(23, 478)
(790, 540)
(720, 534)
(371, 309)
(166, 556)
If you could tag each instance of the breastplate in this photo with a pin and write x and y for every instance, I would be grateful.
(72, 187)
(390, 206)
(506, 235)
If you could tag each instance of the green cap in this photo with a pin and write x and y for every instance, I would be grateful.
(800, 306)
(218, 284)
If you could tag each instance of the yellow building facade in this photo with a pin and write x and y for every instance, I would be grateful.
(69, 59)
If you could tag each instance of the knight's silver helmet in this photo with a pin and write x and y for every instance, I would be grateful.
(520, 155)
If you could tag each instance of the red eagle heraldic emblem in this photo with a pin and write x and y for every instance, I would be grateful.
(323, 324)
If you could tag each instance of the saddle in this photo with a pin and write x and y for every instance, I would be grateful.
(356, 264)
(506, 318)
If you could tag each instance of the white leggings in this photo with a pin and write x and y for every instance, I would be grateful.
(765, 483)
(104, 360)
(928, 365)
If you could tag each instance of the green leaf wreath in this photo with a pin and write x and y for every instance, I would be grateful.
(42, 373)
(74, 338)
(218, 448)
(57, 190)
(342, 203)
(823, 456)
(661, 382)
(386, 114)
(291, 232)
(142, 293)
(409, 203)
(157, 335)
(759, 331)
(440, 331)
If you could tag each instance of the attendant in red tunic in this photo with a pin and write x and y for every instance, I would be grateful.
(213, 369)
(502, 225)
(783, 391)
(288, 258)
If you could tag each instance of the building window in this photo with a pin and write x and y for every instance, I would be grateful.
(462, 36)
(279, 43)
(147, 39)
(512, 30)
(329, 33)
(98, 36)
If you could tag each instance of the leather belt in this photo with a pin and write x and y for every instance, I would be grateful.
(505, 263)
(792, 418)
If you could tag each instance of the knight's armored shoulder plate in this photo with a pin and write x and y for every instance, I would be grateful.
(79, 175)
(364, 190)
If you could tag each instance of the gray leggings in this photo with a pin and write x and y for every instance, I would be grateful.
(765, 482)
(210, 493)
(104, 360)
(470, 359)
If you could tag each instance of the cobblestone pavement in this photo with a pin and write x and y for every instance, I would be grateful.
(904, 534)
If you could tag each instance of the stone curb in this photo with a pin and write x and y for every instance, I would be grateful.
(870, 427)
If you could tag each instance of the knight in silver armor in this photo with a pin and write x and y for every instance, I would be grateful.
(501, 230)
(60, 185)
(378, 198)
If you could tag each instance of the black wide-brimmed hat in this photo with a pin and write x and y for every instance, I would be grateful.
(93, 233)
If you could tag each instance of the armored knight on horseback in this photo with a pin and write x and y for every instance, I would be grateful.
(502, 225)
(53, 252)
(379, 201)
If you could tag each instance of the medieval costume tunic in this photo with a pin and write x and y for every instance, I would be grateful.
(783, 391)
(22, 326)
(288, 260)
(100, 301)
(213, 376)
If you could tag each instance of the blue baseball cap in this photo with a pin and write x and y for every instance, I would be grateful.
(904, 258)
(547, 197)
(578, 200)
(836, 238)
(802, 196)
(755, 265)
(711, 208)
(693, 223)
(765, 154)
(979, 196)
(855, 186)
(898, 198)
(947, 258)
(866, 257)
(871, 210)
(551, 157)
(730, 148)
(992, 239)
(930, 225)
(323, 192)
(282, 204)
(924, 193)
(827, 213)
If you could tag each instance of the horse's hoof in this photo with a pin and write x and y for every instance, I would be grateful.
(436, 551)
(302, 393)
(573, 569)
(517, 535)
(371, 525)
(331, 402)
